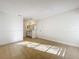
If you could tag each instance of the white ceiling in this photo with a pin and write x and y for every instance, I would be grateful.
(37, 8)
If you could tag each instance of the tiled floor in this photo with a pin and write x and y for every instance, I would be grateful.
(38, 49)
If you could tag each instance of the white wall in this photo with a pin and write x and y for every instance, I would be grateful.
(62, 28)
(10, 28)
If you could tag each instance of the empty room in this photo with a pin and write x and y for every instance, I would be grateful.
(39, 29)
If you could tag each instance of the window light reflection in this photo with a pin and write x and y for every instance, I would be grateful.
(45, 48)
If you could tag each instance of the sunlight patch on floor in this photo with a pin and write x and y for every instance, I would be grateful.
(42, 47)
(45, 48)
(32, 45)
(53, 50)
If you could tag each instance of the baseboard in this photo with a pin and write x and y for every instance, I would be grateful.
(51, 39)
(10, 43)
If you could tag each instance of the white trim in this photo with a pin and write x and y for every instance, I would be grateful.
(10, 43)
(66, 43)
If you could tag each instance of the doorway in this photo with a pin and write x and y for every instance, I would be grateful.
(29, 27)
